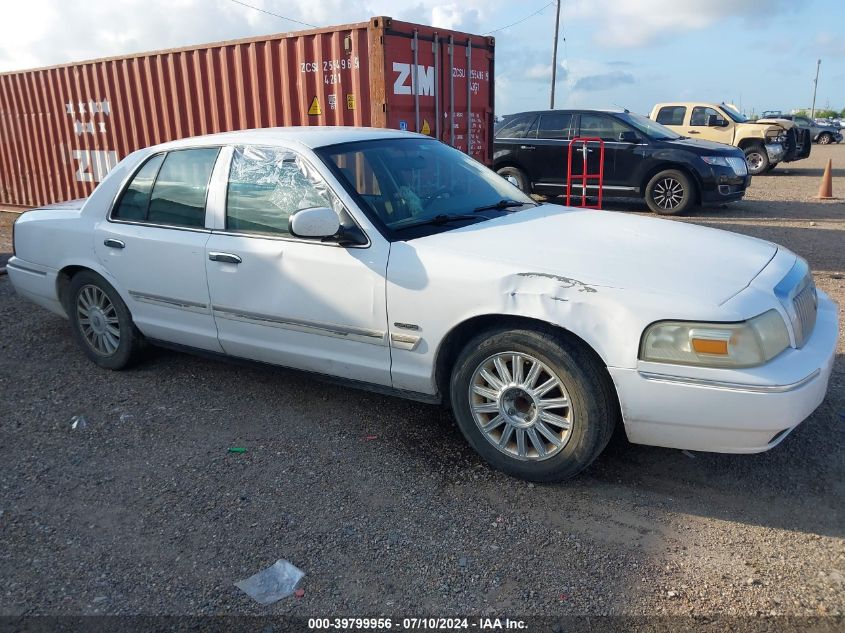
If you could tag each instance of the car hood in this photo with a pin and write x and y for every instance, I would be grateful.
(713, 147)
(784, 123)
(618, 250)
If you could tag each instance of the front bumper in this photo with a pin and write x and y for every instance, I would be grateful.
(716, 411)
(723, 184)
(776, 152)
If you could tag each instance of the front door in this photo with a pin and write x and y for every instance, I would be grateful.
(722, 132)
(153, 246)
(294, 302)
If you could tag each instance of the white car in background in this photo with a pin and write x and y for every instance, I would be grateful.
(391, 261)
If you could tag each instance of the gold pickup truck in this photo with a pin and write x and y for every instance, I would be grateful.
(766, 142)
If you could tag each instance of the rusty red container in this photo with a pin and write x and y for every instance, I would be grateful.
(62, 128)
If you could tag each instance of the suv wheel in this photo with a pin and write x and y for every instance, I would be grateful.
(100, 321)
(669, 192)
(825, 138)
(532, 404)
(757, 159)
(516, 177)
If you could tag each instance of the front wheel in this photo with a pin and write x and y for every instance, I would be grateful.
(757, 159)
(825, 138)
(532, 404)
(670, 192)
(101, 322)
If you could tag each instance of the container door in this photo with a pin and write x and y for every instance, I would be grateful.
(441, 86)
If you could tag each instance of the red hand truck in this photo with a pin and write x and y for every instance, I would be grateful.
(584, 176)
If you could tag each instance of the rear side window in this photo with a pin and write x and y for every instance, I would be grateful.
(268, 185)
(181, 188)
(671, 115)
(136, 198)
(555, 126)
(518, 127)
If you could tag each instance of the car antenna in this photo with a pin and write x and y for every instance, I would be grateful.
(625, 110)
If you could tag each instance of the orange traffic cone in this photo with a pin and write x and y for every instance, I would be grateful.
(826, 188)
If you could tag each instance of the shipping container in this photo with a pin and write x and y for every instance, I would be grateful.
(62, 128)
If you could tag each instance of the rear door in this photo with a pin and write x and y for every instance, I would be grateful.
(554, 132)
(295, 302)
(153, 246)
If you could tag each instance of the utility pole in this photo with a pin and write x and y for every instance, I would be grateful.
(554, 56)
(815, 87)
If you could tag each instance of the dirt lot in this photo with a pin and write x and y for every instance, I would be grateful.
(381, 502)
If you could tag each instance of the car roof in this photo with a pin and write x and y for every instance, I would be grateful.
(567, 111)
(311, 137)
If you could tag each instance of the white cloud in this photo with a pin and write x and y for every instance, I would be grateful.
(635, 23)
(46, 32)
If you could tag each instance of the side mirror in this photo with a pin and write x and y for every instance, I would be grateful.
(714, 120)
(628, 137)
(314, 222)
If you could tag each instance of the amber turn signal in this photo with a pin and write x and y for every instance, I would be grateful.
(710, 346)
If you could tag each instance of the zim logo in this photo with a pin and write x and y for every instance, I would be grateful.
(404, 84)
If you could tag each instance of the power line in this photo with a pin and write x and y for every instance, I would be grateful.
(275, 15)
(540, 10)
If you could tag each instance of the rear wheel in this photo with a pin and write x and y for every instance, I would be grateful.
(516, 177)
(825, 138)
(101, 322)
(670, 192)
(532, 404)
(757, 159)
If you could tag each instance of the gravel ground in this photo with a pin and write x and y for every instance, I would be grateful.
(381, 502)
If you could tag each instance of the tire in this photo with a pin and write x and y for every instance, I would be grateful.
(825, 138)
(670, 192)
(516, 177)
(757, 159)
(96, 310)
(578, 378)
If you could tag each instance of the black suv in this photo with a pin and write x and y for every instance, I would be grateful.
(643, 159)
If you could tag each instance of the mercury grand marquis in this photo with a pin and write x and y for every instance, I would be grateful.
(394, 262)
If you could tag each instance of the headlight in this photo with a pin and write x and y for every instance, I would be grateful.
(715, 160)
(746, 344)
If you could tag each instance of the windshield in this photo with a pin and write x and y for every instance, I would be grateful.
(651, 129)
(734, 114)
(409, 182)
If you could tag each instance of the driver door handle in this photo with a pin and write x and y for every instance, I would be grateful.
(530, 148)
(227, 258)
(113, 243)
(693, 132)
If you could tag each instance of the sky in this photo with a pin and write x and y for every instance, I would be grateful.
(758, 54)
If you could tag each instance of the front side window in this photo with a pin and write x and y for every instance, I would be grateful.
(555, 126)
(699, 116)
(268, 185)
(603, 127)
(671, 115)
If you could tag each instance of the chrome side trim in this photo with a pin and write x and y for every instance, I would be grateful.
(589, 186)
(26, 269)
(374, 337)
(404, 341)
(730, 386)
(169, 302)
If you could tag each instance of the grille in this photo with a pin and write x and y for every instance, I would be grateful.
(739, 165)
(806, 306)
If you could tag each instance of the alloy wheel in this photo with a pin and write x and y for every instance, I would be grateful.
(668, 193)
(98, 320)
(521, 406)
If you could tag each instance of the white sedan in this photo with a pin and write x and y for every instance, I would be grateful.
(393, 262)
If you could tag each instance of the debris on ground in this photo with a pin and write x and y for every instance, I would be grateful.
(237, 449)
(688, 454)
(78, 422)
(299, 593)
(370, 438)
(272, 584)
